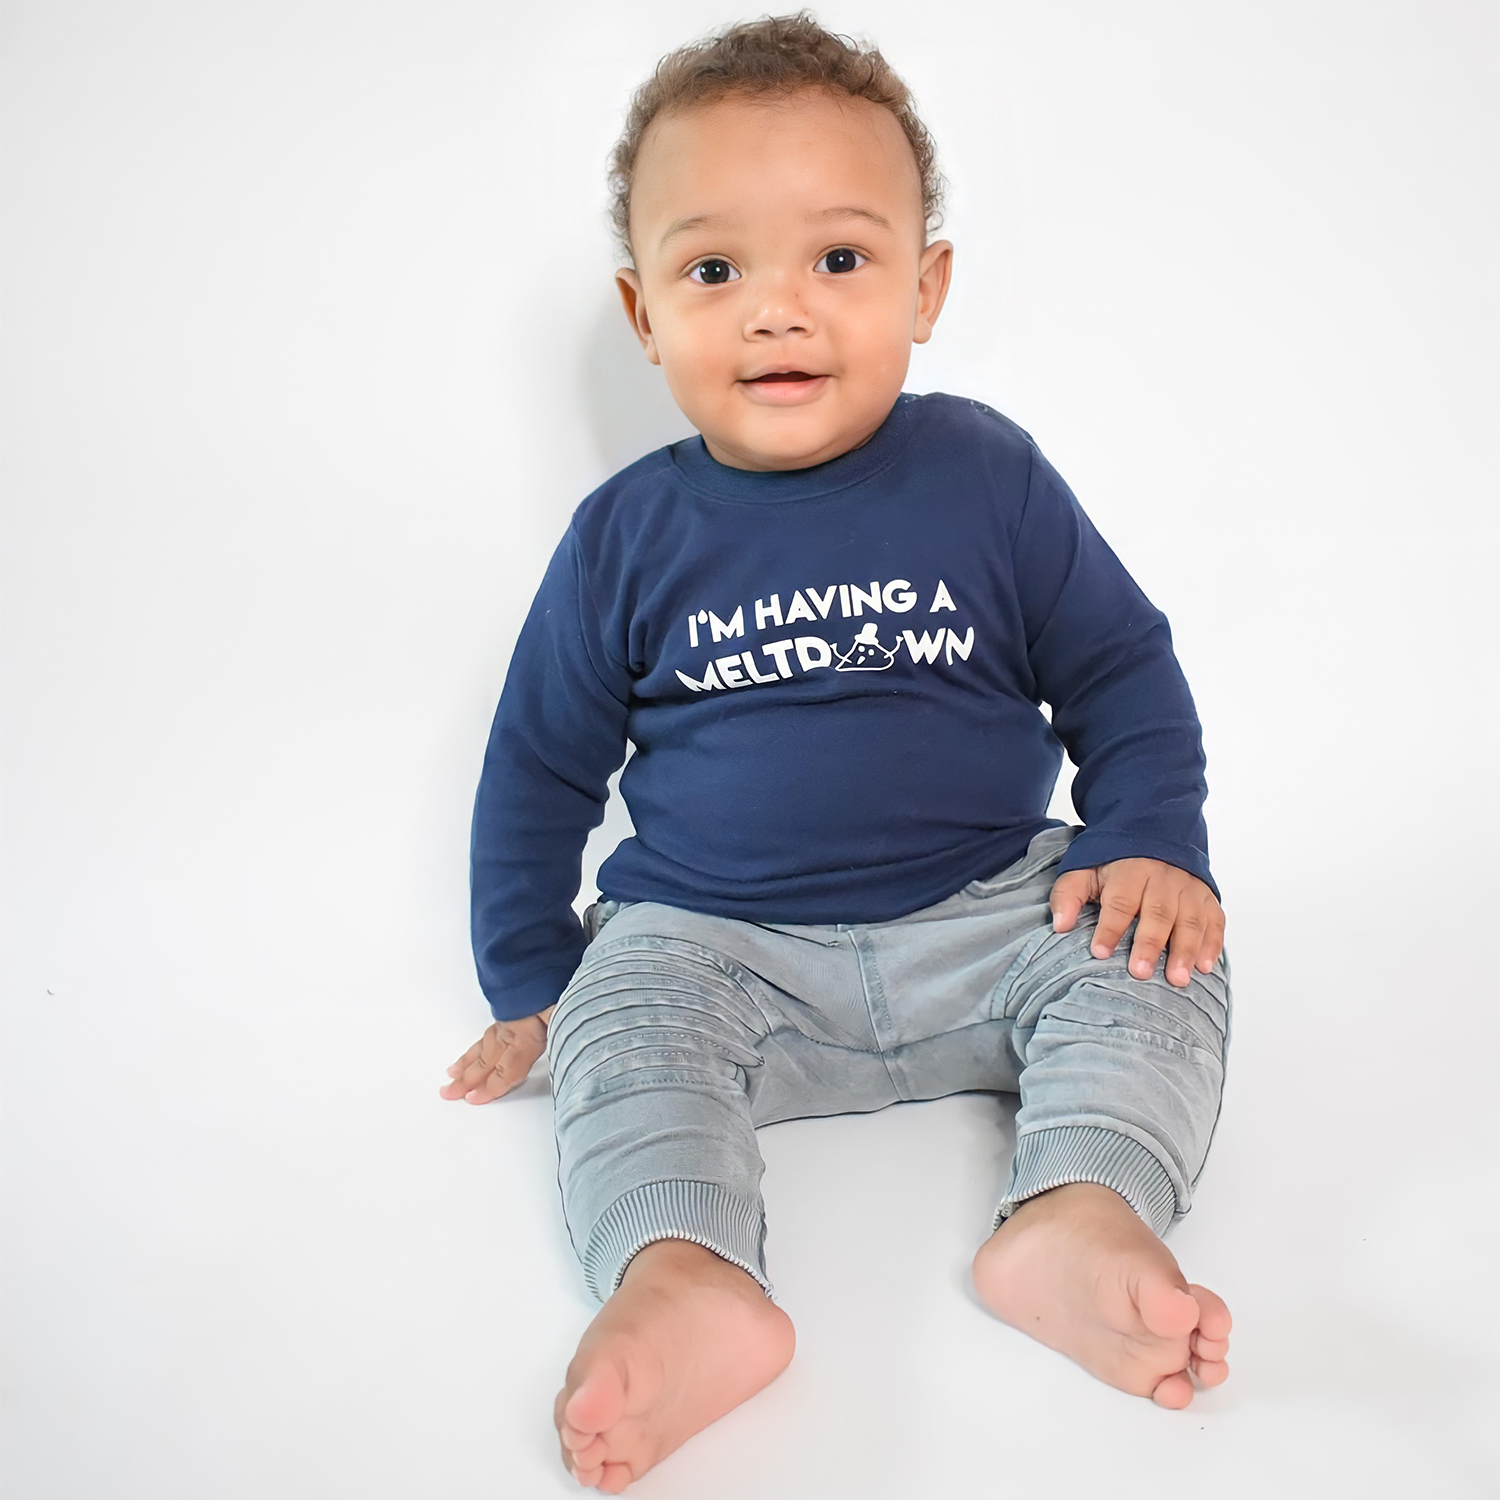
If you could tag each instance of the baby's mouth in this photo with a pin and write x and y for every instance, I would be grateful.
(785, 387)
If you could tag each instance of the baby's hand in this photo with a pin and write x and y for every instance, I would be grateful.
(499, 1060)
(1170, 903)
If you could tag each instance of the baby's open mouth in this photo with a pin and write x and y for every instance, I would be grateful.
(785, 387)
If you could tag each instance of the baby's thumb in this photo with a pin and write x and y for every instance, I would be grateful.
(1070, 892)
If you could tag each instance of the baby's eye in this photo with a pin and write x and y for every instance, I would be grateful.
(716, 272)
(844, 259)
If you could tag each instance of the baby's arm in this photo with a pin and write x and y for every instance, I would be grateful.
(499, 1060)
(558, 735)
(1102, 657)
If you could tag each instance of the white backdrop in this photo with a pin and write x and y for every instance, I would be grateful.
(310, 348)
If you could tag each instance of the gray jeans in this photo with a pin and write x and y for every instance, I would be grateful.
(680, 1033)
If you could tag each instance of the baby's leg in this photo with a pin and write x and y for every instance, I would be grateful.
(1120, 1092)
(660, 1174)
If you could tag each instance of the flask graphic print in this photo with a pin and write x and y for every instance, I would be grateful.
(866, 654)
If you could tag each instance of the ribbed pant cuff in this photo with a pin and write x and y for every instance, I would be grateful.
(1090, 1153)
(730, 1226)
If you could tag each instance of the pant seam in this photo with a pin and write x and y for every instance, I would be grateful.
(868, 970)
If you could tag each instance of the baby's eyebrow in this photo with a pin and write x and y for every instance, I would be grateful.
(694, 221)
(724, 221)
(850, 213)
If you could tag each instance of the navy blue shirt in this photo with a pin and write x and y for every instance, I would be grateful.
(833, 679)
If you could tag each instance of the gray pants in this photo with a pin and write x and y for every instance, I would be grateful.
(680, 1033)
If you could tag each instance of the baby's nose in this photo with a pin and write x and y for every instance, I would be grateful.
(780, 313)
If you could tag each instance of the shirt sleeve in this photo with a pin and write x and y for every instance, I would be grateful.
(559, 734)
(1101, 654)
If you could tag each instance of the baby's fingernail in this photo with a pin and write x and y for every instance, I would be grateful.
(1141, 970)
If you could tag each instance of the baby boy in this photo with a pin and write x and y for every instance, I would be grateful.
(827, 624)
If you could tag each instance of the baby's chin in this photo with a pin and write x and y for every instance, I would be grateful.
(791, 437)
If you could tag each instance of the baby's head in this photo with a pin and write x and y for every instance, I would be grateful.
(774, 190)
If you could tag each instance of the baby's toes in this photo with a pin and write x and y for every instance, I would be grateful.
(1214, 1321)
(596, 1401)
(1210, 1371)
(589, 1456)
(1167, 1311)
(588, 1479)
(567, 1457)
(1175, 1392)
(571, 1441)
(573, 1437)
(1205, 1348)
(615, 1478)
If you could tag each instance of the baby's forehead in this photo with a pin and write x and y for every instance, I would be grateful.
(759, 159)
(799, 122)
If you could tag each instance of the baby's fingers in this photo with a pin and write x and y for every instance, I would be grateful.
(1213, 940)
(475, 1065)
(1070, 894)
(1119, 902)
(1188, 933)
(1158, 920)
(498, 1080)
(485, 1075)
(471, 1056)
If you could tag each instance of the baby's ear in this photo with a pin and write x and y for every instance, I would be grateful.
(629, 283)
(934, 272)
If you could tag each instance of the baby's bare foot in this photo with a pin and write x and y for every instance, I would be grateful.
(686, 1337)
(1079, 1271)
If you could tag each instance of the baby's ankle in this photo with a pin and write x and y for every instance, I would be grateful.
(1072, 1200)
(680, 1261)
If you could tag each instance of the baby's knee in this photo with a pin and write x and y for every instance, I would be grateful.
(1186, 1019)
(647, 1003)
(1064, 982)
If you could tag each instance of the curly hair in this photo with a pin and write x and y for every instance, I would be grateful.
(774, 55)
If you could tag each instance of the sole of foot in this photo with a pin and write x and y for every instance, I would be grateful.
(1078, 1270)
(686, 1337)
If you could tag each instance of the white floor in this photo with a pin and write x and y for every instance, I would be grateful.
(308, 355)
(251, 1253)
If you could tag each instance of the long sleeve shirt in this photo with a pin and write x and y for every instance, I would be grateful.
(833, 680)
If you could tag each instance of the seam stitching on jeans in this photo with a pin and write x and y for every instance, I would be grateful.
(864, 987)
(732, 971)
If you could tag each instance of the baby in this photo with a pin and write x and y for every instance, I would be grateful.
(862, 901)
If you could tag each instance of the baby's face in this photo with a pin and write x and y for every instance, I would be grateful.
(781, 236)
